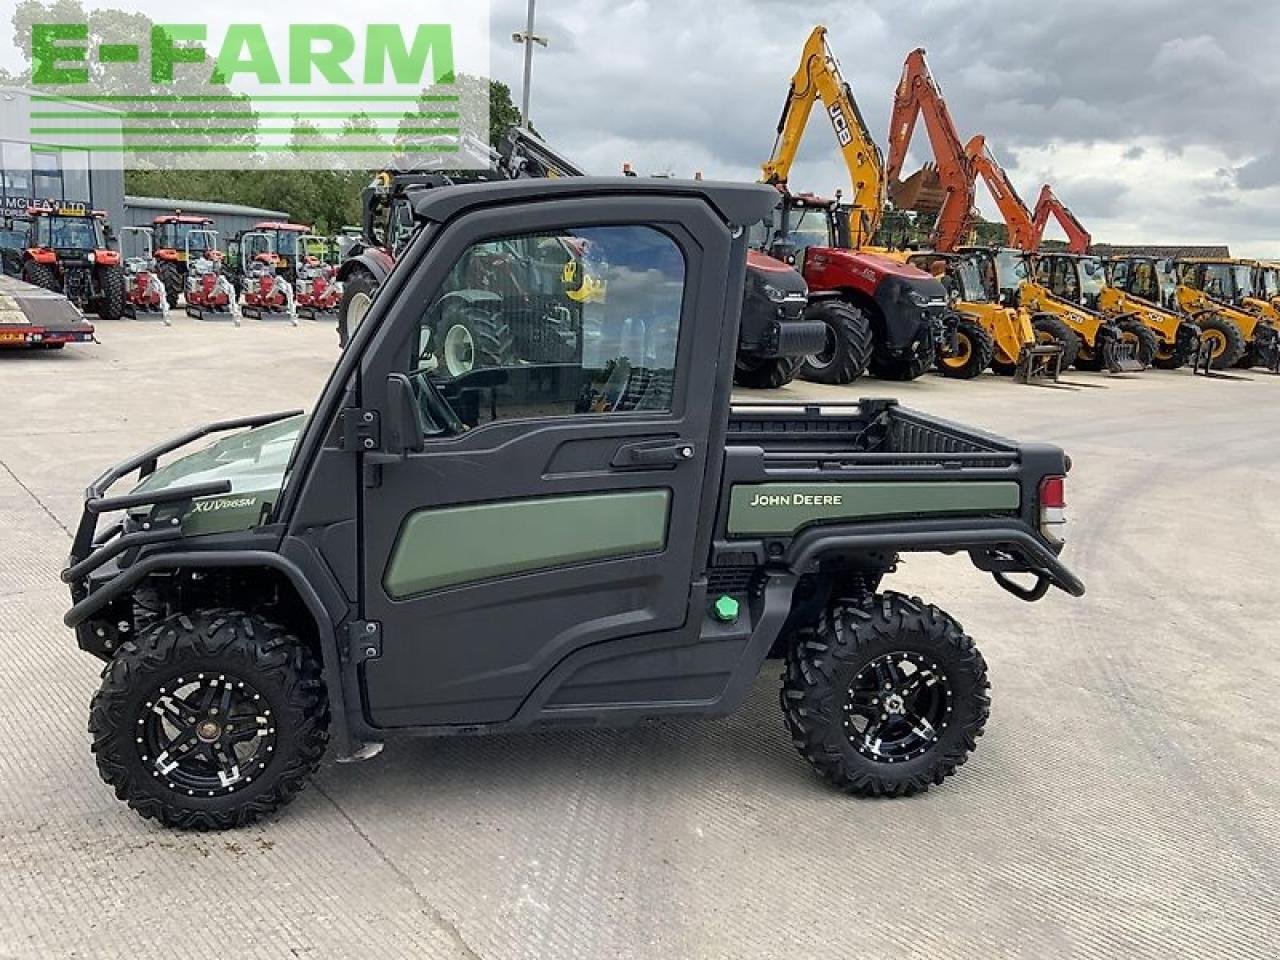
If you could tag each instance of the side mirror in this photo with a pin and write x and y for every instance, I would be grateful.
(403, 425)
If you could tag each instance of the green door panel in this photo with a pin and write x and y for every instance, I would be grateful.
(446, 546)
(779, 509)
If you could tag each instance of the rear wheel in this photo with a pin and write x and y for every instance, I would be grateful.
(886, 698)
(1051, 329)
(42, 275)
(759, 373)
(210, 719)
(1143, 338)
(1169, 356)
(468, 338)
(357, 297)
(1226, 341)
(171, 276)
(848, 349)
(110, 306)
(975, 349)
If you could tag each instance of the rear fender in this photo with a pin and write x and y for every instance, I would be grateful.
(372, 260)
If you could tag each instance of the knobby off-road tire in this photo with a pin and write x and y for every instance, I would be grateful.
(171, 276)
(900, 369)
(357, 296)
(42, 275)
(209, 719)
(1226, 339)
(977, 348)
(1051, 329)
(848, 725)
(1147, 342)
(759, 373)
(110, 306)
(848, 349)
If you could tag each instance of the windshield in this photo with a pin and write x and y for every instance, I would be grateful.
(13, 239)
(1270, 278)
(1093, 277)
(969, 275)
(1244, 279)
(173, 236)
(69, 233)
(1167, 280)
(1011, 270)
(1219, 281)
(809, 229)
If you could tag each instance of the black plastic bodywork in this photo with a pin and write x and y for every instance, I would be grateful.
(605, 642)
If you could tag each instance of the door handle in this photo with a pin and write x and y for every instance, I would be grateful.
(654, 454)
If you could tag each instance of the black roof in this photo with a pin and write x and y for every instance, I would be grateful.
(738, 203)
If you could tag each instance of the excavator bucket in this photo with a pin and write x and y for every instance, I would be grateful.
(921, 192)
(1039, 363)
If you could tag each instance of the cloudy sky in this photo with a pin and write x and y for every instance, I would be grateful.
(1156, 120)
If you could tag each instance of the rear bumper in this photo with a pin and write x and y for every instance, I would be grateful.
(32, 316)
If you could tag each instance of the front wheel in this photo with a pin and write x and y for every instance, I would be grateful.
(760, 373)
(1050, 329)
(171, 277)
(209, 719)
(887, 698)
(848, 348)
(975, 349)
(1145, 342)
(1225, 339)
(42, 275)
(110, 306)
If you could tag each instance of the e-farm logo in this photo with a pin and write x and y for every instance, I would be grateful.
(193, 95)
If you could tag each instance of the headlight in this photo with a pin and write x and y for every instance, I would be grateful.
(920, 300)
(93, 257)
(776, 294)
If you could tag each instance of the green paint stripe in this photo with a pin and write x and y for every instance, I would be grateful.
(242, 97)
(779, 509)
(242, 115)
(447, 546)
(118, 53)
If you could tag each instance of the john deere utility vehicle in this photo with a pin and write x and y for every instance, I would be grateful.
(1210, 286)
(68, 251)
(1005, 338)
(598, 539)
(170, 234)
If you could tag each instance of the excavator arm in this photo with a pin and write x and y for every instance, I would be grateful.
(1018, 220)
(947, 189)
(1078, 238)
(817, 78)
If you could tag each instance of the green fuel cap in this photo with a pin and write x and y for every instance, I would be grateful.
(726, 609)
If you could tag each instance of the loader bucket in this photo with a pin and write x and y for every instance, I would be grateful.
(1121, 356)
(921, 192)
(1040, 362)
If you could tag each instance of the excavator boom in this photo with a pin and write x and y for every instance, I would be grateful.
(1078, 238)
(1022, 234)
(946, 188)
(817, 78)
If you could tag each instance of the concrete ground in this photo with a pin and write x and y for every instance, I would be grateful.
(1123, 803)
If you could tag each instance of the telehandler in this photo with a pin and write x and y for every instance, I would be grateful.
(600, 540)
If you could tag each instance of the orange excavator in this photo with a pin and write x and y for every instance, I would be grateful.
(945, 187)
(1023, 233)
(1078, 238)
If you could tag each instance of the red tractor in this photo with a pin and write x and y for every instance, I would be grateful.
(170, 233)
(68, 252)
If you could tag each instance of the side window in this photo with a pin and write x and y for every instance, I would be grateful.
(565, 323)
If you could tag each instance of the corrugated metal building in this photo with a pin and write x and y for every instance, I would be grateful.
(34, 166)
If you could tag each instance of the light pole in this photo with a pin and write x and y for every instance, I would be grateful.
(528, 38)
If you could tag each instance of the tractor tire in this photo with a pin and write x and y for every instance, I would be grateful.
(886, 698)
(470, 338)
(162, 719)
(1226, 341)
(42, 275)
(760, 373)
(358, 291)
(171, 276)
(110, 306)
(900, 369)
(1146, 339)
(1049, 328)
(848, 350)
(977, 349)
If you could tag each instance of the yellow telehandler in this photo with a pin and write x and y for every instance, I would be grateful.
(1214, 285)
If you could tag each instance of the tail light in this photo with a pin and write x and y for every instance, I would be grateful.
(1053, 508)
